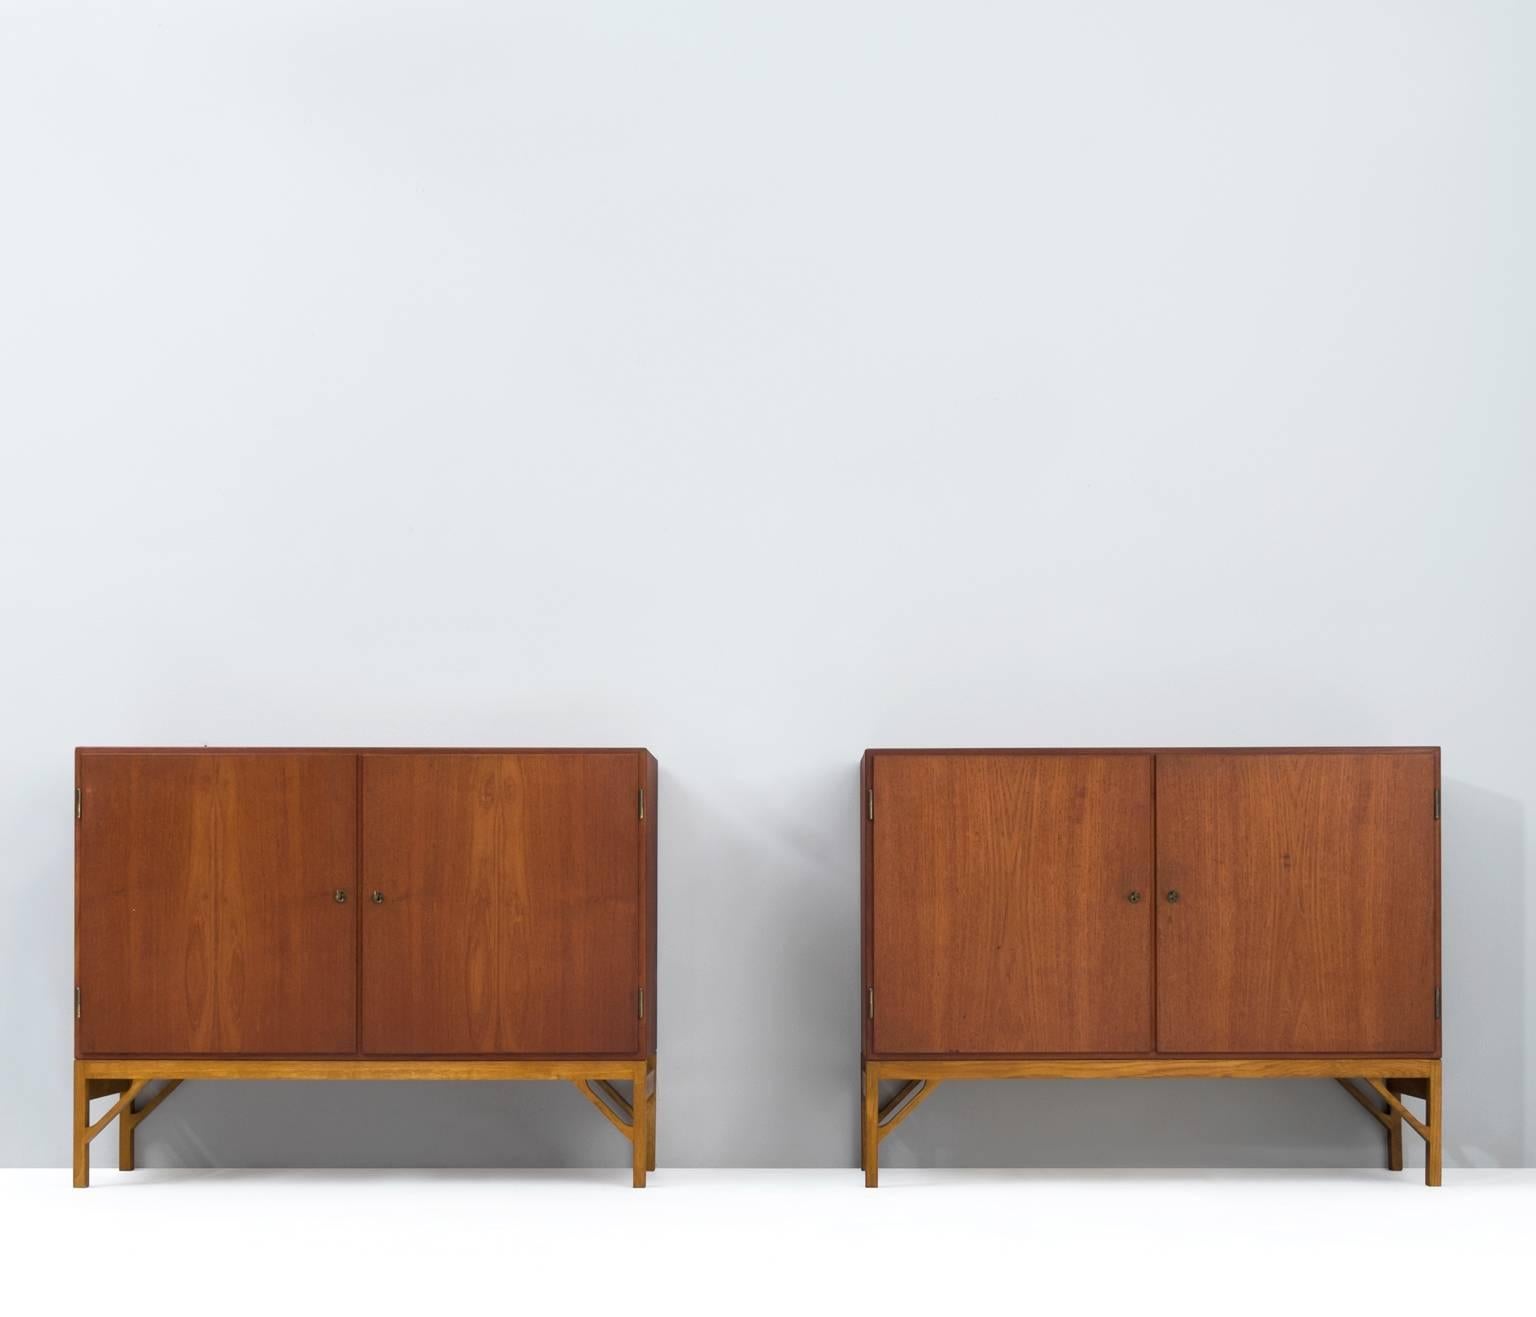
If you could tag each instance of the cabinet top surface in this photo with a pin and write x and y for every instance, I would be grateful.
(1166, 750)
(358, 750)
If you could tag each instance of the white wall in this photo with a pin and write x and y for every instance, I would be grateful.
(759, 382)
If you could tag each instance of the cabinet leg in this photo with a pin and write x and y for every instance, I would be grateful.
(1434, 1117)
(640, 1127)
(863, 1119)
(82, 1123)
(871, 1128)
(127, 1129)
(650, 1122)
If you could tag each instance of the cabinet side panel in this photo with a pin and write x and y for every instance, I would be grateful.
(866, 906)
(1003, 921)
(146, 897)
(1439, 897)
(1306, 918)
(649, 882)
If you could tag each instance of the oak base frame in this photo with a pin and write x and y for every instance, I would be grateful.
(634, 1117)
(1390, 1078)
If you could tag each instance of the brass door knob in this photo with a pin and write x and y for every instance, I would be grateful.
(1133, 897)
(377, 897)
(341, 897)
(1173, 896)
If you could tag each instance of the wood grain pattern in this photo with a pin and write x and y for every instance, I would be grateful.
(998, 911)
(206, 920)
(286, 836)
(1307, 918)
(434, 838)
(145, 905)
(510, 919)
(570, 944)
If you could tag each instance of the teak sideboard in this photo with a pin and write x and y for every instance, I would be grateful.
(1153, 913)
(364, 914)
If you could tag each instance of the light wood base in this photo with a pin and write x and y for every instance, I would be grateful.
(1390, 1078)
(634, 1117)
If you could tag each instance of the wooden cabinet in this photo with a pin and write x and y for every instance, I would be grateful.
(1153, 912)
(365, 914)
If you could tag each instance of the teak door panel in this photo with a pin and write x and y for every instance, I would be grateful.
(1002, 919)
(568, 956)
(433, 837)
(1307, 918)
(206, 915)
(287, 950)
(144, 911)
(510, 914)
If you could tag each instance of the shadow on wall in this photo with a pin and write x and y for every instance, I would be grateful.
(1486, 1032)
(809, 949)
(759, 967)
(37, 950)
(1266, 1123)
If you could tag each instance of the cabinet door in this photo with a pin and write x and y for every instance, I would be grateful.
(206, 913)
(509, 919)
(1001, 913)
(1307, 917)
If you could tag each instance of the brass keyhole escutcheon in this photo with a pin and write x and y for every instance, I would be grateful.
(1173, 897)
(341, 897)
(1133, 897)
(378, 898)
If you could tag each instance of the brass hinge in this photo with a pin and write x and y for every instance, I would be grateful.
(77, 802)
(1437, 802)
(1437, 1001)
(77, 1001)
(871, 804)
(871, 1003)
(642, 1003)
(642, 802)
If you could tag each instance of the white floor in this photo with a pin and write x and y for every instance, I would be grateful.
(695, 1241)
